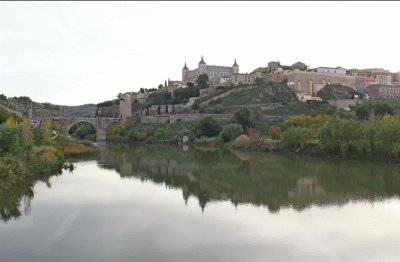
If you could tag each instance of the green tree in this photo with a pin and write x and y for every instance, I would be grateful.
(379, 109)
(231, 131)
(202, 81)
(295, 137)
(208, 126)
(244, 116)
(9, 140)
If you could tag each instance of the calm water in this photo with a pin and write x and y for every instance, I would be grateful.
(160, 203)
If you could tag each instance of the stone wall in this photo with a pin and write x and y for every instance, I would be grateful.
(345, 103)
(196, 116)
(155, 119)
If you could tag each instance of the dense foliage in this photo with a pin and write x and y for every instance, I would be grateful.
(231, 131)
(244, 116)
(208, 126)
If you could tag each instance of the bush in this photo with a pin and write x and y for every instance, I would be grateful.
(295, 137)
(275, 132)
(162, 133)
(137, 136)
(12, 171)
(241, 141)
(231, 131)
(208, 126)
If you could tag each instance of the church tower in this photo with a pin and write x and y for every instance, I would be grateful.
(185, 70)
(235, 68)
(202, 66)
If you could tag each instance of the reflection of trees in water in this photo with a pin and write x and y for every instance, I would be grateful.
(274, 181)
(17, 199)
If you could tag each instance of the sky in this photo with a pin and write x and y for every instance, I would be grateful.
(73, 53)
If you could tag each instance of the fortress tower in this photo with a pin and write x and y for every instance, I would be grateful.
(213, 71)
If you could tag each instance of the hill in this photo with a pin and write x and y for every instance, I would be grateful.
(264, 94)
(19, 104)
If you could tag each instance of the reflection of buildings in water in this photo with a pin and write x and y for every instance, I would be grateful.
(307, 187)
(223, 175)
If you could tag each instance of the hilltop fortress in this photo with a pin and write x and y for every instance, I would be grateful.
(213, 71)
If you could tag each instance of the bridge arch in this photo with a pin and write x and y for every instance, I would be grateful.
(70, 125)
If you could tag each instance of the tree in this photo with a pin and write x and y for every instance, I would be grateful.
(202, 81)
(9, 139)
(231, 131)
(380, 109)
(244, 116)
(208, 126)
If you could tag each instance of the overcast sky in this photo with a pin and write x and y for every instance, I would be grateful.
(73, 53)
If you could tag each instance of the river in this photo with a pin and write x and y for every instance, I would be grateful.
(164, 203)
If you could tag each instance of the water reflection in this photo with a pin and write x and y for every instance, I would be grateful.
(274, 181)
(16, 201)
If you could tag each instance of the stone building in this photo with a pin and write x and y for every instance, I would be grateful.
(383, 91)
(212, 71)
(273, 65)
(311, 82)
(243, 79)
(220, 81)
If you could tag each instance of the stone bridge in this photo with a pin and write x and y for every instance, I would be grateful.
(100, 124)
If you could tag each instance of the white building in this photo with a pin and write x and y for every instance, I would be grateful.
(383, 80)
(331, 70)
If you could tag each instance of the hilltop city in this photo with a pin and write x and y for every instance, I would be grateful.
(215, 82)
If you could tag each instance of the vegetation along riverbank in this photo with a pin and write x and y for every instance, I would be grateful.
(369, 131)
(26, 151)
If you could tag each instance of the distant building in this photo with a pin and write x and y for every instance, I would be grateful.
(358, 72)
(212, 71)
(311, 82)
(273, 66)
(220, 81)
(331, 70)
(383, 91)
(383, 79)
(243, 79)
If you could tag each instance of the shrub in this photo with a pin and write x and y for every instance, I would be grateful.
(161, 133)
(208, 126)
(12, 171)
(241, 140)
(295, 137)
(137, 136)
(231, 131)
(252, 133)
(275, 132)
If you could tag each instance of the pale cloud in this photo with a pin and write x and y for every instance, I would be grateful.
(84, 52)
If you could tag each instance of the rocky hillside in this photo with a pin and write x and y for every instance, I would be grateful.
(266, 94)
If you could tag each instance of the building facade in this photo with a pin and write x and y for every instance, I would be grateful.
(212, 71)
(383, 91)
(220, 81)
(331, 70)
(243, 79)
(311, 82)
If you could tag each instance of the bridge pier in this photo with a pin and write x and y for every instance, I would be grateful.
(101, 135)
